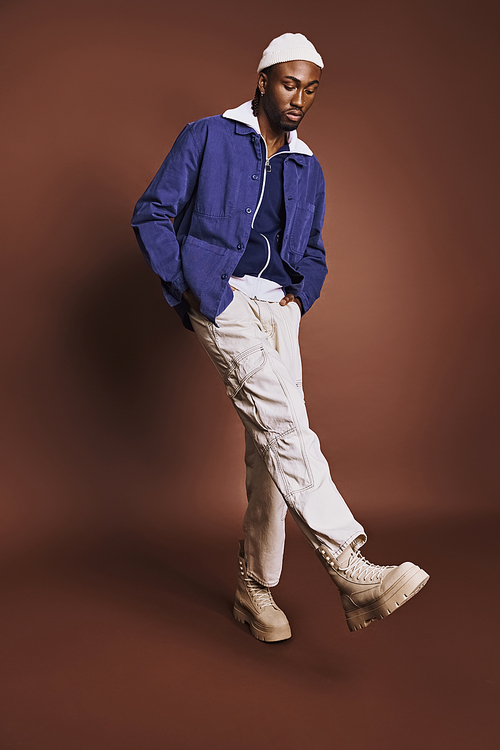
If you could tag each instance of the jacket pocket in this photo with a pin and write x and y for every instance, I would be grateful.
(217, 193)
(301, 229)
(201, 262)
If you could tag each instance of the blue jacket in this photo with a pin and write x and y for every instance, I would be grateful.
(194, 220)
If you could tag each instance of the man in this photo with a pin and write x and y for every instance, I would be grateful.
(241, 262)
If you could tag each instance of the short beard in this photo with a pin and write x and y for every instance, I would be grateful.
(274, 116)
(288, 127)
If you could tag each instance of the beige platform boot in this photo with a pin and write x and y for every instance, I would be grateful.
(370, 592)
(255, 605)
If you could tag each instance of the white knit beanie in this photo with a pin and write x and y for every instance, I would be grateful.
(288, 47)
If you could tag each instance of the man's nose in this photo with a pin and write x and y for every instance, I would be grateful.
(298, 99)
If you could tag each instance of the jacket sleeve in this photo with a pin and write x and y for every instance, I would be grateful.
(163, 200)
(313, 264)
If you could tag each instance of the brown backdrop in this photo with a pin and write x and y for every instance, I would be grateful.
(115, 429)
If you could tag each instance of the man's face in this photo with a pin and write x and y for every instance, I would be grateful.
(290, 89)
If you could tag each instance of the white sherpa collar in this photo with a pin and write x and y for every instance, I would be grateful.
(244, 114)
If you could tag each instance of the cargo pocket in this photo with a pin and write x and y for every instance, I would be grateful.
(243, 367)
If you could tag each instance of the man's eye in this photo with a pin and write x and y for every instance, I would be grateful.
(289, 88)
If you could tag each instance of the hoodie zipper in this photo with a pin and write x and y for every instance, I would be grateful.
(267, 168)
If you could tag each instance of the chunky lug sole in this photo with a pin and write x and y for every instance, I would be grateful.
(402, 591)
(259, 631)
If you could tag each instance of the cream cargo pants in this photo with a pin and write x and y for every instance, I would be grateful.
(255, 349)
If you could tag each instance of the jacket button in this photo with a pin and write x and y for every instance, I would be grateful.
(240, 246)
(255, 177)
(248, 210)
(224, 276)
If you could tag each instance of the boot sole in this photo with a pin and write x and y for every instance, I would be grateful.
(262, 634)
(402, 591)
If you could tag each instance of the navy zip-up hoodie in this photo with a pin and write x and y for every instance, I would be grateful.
(262, 253)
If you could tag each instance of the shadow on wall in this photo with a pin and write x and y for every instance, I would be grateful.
(110, 394)
(125, 350)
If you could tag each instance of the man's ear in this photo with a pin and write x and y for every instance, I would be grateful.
(262, 82)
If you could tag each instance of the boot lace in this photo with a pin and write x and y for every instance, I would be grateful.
(259, 593)
(360, 569)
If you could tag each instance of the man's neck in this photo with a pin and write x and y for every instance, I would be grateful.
(274, 137)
